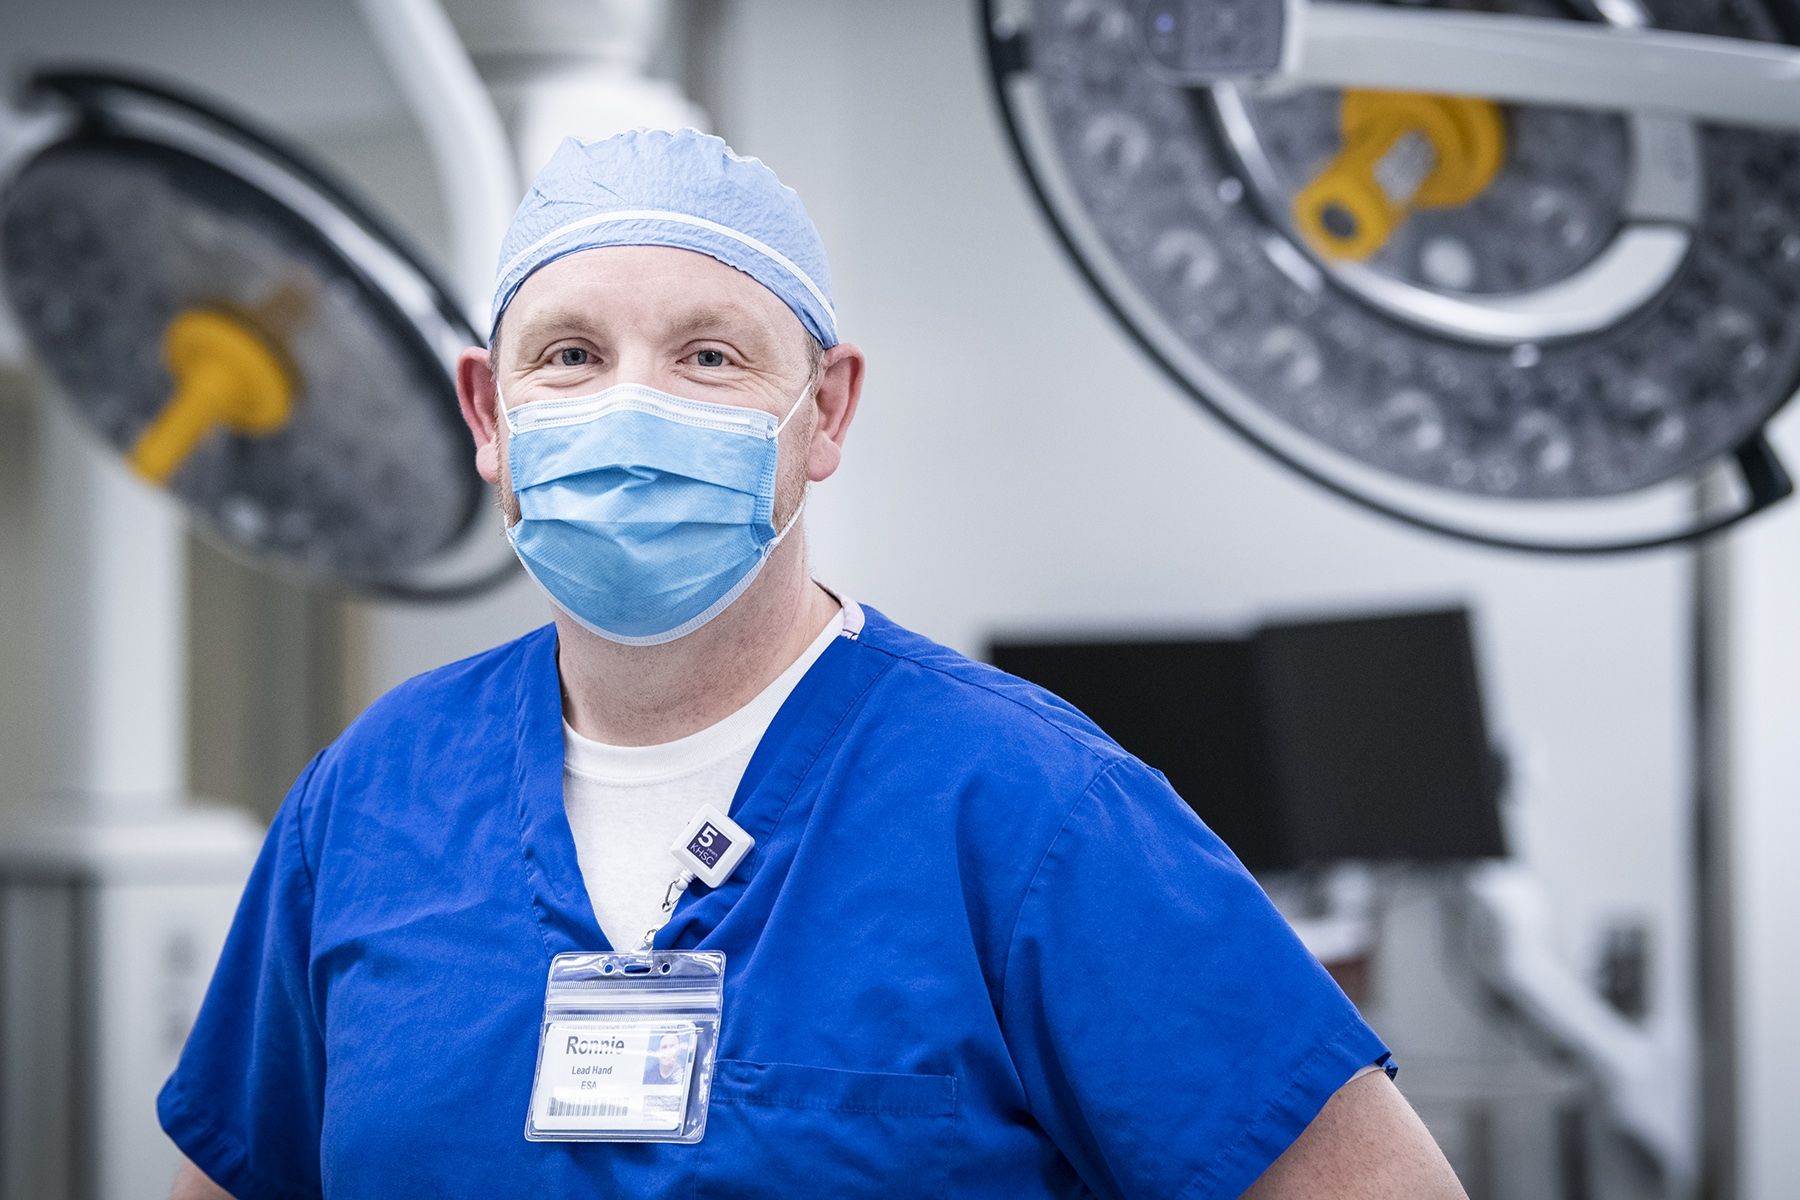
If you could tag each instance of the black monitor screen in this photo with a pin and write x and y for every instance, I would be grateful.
(1313, 742)
(1382, 746)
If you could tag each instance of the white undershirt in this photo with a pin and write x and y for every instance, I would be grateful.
(626, 804)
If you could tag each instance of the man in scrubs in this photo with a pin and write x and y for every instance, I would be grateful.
(962, 901)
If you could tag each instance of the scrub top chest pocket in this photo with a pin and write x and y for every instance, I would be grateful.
(782, 1129)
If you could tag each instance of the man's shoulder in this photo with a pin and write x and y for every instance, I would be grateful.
(433, 727)
(455, 696)
(952, 698)
(994, 766)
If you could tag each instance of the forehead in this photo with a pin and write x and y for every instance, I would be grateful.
(617, 289)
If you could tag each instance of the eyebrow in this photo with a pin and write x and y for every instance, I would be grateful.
(747, 329)
(551, 323)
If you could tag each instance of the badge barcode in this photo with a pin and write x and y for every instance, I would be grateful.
(565, 1108)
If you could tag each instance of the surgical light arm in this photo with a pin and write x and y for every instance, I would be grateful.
(1283, 44)
(468, 143)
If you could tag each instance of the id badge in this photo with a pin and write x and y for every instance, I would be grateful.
(626, 1048)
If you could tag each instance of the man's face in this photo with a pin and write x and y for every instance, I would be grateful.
(675, 320)
(668, 1055)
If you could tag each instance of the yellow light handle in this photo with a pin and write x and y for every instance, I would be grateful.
(226, 376)
(1402, 151)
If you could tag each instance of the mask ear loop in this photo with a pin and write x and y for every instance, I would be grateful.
(808, 391)
(805, 488)
(509, 527)
(805, 493)
(500, 402)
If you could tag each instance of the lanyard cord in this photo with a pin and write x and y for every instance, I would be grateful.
(670, 898)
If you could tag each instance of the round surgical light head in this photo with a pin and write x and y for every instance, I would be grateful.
(246, 334)
(1556, 305)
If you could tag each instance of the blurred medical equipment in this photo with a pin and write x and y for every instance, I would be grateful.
(247, 335)
(1348, 760)
(250, 338)
(1567, 282)
(1518, 272)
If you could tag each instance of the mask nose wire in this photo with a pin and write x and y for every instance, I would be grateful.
(793, 409)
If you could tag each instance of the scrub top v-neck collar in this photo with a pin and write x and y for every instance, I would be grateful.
(763, 804)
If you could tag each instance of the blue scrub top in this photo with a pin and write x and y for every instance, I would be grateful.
(978, 950)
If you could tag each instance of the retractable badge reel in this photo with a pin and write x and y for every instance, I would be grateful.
(625, 1052)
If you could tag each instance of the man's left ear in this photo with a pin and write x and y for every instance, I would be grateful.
(840, 386)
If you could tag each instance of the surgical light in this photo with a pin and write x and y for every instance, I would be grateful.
(1453, 311)
(246, 334)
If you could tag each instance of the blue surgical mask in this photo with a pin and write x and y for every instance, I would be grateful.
(644, 515)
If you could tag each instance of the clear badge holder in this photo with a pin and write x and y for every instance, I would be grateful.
(626, 1049)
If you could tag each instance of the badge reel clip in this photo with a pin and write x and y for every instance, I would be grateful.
(626, 1048)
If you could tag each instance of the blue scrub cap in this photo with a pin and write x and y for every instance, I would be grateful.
(684, 189)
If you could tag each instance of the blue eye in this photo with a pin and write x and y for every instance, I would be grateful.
(571, 356)
(709, 358)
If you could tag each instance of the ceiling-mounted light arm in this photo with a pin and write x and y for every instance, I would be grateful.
(1765, 481)
(1523, 60)
(469, 146)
